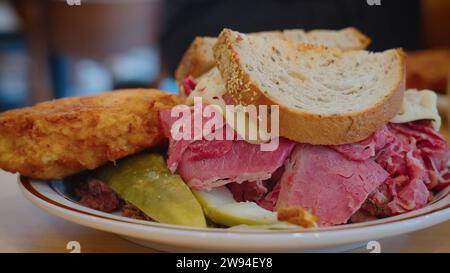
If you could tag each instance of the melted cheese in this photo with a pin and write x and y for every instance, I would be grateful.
(419, 105)
(211, 88)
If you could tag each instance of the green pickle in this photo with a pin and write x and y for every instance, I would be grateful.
(145, 181)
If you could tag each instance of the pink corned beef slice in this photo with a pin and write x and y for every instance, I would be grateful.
(414, 155)
(248, 191)
(367, 148)
(394, 171)
(270, 200)
(242, 162)
(331, 186)
(205, 164)
(416, 160)
(178, 147)
(189, 84)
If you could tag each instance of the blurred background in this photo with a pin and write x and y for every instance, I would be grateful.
(57, 48)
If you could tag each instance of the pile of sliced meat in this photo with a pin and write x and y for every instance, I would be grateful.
(394, 171)
(416, 158)
(205, 164)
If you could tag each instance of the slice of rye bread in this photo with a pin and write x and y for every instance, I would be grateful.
(199, 57)
(326, 95)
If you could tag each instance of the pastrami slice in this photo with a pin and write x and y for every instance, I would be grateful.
(205, 164)
(331, 186)
(242, 162)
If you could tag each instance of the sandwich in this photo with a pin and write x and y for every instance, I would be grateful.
(353, 145)
(277, 130)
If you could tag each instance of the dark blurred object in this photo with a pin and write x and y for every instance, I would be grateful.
(392, 24)
(13, 72)
(93, 47)
(13, 60)
(428, 69)
(435, 23)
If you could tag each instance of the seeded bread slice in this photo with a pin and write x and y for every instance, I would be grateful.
(326, 95)
(199, 57)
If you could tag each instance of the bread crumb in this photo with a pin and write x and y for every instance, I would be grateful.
(297, 216)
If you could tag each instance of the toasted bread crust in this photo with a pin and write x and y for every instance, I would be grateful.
(297, 216)
(62, 137)
(299, 125)
(363, 39)
(197, 59)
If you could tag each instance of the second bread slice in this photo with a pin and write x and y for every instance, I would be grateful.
(326, 96)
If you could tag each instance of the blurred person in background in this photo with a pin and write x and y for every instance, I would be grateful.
(391, 24)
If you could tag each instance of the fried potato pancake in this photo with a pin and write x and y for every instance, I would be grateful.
(62, 137)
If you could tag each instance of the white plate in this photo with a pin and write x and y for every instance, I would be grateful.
(178, 238)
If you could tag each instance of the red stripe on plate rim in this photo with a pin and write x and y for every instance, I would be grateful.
(26, 183)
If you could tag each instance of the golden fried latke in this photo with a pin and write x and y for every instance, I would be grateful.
(62, 137)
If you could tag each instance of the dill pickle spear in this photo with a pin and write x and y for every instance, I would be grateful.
(219, 205)
(145, 181)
